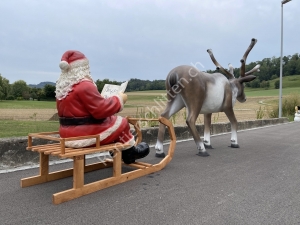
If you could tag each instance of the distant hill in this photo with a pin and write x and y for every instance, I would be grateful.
(41, 85)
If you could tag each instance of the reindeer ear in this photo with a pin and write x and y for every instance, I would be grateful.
(247, 78)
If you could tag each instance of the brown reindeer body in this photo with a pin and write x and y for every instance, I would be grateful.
(204, 93)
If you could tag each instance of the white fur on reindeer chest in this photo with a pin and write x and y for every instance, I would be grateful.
(215, 94)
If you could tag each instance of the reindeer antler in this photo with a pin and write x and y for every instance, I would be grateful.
(243, 60)
(256, 68)
(231, 68)
(228, 74)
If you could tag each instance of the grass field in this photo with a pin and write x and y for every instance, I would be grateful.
(17, 128)
(271, 92)
(18, 118)
(288, 82)
(27, 105)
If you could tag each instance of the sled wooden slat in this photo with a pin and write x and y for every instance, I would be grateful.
(79, 168)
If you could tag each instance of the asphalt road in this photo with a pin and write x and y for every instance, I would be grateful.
(259, 183)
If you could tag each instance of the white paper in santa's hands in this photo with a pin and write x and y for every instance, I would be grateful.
(112, 89)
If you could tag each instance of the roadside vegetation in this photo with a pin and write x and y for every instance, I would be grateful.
(150, 103)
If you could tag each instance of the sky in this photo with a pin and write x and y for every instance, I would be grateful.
(141, 39)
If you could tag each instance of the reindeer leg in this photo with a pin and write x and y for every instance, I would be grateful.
(207, 123)
(191, 119)
(173, 106)
(198, 141)
(159, 143)
(230, 114)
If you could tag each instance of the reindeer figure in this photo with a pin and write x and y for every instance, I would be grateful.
(203, 93)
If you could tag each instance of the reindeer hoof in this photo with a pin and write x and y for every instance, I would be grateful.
(160, 155)
(208, 146)
(203, 154)
(234, 146)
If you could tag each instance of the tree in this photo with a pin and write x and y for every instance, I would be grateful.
(255, 83)
(4, 88)
(1, 94)
(26, 95)
(291, 67)
(100, 84)
(40, 94)
(276, 84)
(274, 77)
(18, 88)
(265, 84)
(298, 68)
(274, 67)
(49, 91)
(142, 85)
(35, 93)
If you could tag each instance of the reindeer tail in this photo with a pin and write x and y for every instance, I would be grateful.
(171, 80)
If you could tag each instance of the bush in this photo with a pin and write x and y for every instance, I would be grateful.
(274, 77)
(265, 84)
(10, 97)
(260, 113)
(255, 83)
(276, 84)
(288, 107)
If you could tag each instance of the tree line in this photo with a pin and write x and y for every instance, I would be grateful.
(19, 90)
(134, 84)
(269, 70)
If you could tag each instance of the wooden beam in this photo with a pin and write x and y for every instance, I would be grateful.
(39, 179)
(78, 172)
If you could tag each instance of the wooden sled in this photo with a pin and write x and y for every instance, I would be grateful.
(79, 189)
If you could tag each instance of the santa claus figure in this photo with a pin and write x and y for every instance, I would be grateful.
(83, 111)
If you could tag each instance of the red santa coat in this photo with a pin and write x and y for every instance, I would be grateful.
(85, 101)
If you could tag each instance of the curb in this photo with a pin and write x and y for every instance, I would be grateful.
(13, 151)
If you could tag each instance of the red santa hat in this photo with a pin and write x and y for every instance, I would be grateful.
(74, 68)
(72, 59)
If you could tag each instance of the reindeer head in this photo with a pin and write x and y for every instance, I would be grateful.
(237, 84)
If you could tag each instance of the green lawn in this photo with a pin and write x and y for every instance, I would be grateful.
(14, 104)
(290, 84)
(256, 92)
(17, 128)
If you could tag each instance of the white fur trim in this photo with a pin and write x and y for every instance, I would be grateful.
(112, 129)
(63, 65)
(131, 142)
(78, 71)
(79, 63)
(92, 141)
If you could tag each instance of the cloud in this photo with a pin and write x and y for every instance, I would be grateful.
(141, 39)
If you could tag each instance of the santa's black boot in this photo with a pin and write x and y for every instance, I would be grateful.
(135, 152)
